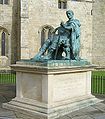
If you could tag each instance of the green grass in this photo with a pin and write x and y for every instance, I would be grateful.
(98, 82)
(7, 78)
(98, 73)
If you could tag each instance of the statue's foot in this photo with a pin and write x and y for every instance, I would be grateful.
(77, 58)
(33, 59)
(47, 57)
(36, 58)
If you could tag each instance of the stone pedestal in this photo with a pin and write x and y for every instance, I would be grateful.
(50, 92)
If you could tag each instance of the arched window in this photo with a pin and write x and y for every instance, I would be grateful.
(62, 4)
(3, 1)
(3, 41)
(45, 33)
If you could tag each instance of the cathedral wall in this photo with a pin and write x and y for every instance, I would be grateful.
(9, 25)
(15, 32)
(98, 54)
(38, 13)
(6, 26)
(8, 33)
(23, 35)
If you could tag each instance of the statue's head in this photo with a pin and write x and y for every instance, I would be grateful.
(69, 14)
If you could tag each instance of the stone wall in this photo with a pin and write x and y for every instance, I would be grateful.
(15, 31)
(37, 13)
(24, 29)
(9, 23)
(98, 54)
(6, 25)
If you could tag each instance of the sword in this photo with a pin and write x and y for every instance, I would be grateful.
(57, 48)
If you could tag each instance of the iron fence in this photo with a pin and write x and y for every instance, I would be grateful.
(7, 77)
(98, 84)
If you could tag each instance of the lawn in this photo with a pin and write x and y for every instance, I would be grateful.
(7, 78)
(98, 73)
(98, 82)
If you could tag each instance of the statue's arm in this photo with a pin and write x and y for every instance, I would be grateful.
(55, 30)
(68, 27)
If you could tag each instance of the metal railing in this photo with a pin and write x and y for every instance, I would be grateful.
(7, 77)
(98, 84)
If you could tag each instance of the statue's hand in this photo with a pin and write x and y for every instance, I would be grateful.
(53, 32)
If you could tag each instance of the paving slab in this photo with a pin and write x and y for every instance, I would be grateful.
(83, 112)
(7, 113)
(2, 99)
(64, 117)
(5, 118)
(82, 117)
(100, 106)
(98, 116)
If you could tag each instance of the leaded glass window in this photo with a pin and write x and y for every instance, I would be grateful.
(62, 4)
(3, 1)
(3, 44)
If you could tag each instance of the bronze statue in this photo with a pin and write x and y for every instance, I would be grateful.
(67, 39)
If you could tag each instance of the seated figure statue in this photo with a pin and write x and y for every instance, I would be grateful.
(67, 39)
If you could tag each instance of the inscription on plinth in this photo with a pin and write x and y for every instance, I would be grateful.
(68, 86)
(51, 93)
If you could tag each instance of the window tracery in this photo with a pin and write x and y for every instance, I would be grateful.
(62, 4)
(4, 2)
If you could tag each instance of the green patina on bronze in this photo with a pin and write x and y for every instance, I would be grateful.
(55, 63)
(66, 41)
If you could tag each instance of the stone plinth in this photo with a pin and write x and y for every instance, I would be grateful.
(45, 92)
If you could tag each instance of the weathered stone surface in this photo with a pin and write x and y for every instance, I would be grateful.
(98, 52)
(88, 113)
(9, 25)
(100, 106)
(82, 117)
(51, 92)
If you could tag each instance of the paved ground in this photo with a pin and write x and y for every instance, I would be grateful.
(93, 112)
